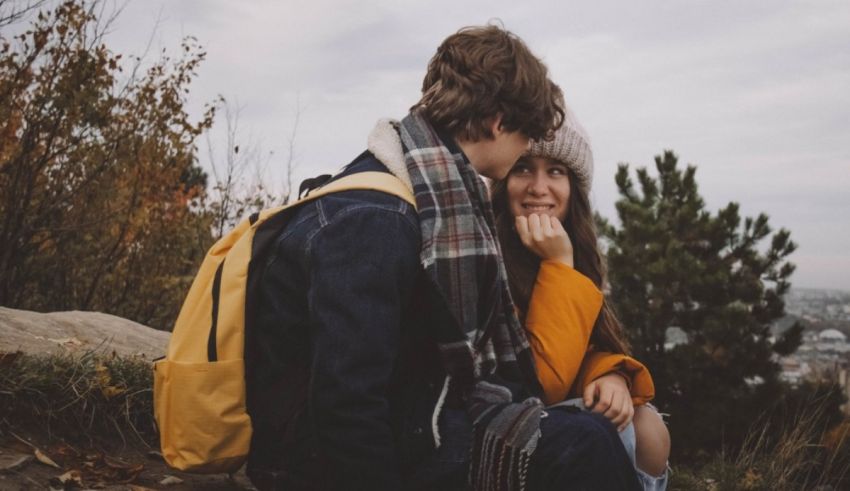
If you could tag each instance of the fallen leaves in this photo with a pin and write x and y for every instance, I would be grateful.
(93, 469)
(97, 468)
(104, 380)
(45, 459)
(69, 480)
(169, 480)
(41, 456)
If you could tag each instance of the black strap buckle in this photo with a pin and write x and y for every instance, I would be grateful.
(312, 183)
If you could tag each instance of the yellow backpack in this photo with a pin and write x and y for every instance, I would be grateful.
(199, 386)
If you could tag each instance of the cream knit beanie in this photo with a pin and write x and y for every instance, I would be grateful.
(571, 146)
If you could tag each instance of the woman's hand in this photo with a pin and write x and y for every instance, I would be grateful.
(609, 396)
(545, 236)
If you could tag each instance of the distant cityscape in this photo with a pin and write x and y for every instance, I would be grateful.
(818, 306)
(824, 355)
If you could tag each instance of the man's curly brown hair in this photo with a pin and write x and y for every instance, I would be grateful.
(481, 72)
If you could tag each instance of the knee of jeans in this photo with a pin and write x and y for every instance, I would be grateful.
(578, 442)
(591, 428)
(600, 435)
(601, 424)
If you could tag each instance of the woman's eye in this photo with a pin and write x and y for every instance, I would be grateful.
(558, 171)
(520, 170)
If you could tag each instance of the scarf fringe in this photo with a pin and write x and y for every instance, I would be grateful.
(501, 467)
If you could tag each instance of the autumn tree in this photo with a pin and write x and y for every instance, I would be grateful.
(675, 264)
(99, 183)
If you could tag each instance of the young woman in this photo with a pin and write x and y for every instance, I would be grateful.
(548, 239)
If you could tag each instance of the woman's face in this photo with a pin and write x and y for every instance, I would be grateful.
(538, 185)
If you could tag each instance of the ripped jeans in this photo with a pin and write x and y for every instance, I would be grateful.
(627, 436)
(577, 450)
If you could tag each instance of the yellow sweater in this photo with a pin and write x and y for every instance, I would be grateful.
(563, 308)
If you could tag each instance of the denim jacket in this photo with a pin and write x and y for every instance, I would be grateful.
(342, 375)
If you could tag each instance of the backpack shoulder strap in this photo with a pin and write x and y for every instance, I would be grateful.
(372, 180)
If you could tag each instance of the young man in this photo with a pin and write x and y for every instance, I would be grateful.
(386, 353)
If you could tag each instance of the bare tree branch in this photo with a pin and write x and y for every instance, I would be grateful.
(291, 164)
(12, 11)
(234, 194)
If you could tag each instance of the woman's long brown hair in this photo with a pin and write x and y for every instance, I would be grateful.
(522, 265)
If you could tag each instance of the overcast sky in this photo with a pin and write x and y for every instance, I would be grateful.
(756, 94)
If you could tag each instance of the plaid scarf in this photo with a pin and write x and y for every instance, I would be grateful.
(486, 353)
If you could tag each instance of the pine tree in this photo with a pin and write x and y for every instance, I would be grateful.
(674, 264)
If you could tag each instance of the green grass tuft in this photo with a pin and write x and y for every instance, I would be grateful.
(87, 396)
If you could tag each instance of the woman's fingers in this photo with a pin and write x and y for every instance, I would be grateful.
(546, 226)
(618, 413)
(589, 395)
(557, 226)
(626, 410)
(535, 228)
(604, 402)
(627, 414)
(545, 236)
(613, 410)
(615, 404)
(610, 400)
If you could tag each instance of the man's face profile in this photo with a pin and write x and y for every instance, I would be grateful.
(501, 151)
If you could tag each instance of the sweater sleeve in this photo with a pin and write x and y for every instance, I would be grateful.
(597, 364)
(561, 313)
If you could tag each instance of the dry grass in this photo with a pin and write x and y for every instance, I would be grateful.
(84, 396)
(797, 456)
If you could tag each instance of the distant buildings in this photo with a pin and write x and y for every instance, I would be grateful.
(818, 305)
(824, 355)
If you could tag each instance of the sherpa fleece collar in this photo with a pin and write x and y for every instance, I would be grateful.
(385, 145)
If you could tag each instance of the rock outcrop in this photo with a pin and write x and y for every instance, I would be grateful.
(75, 331)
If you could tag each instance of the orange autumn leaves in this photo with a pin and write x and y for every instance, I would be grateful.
(100, 193)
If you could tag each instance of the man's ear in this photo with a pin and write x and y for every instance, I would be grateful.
(496, 125)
